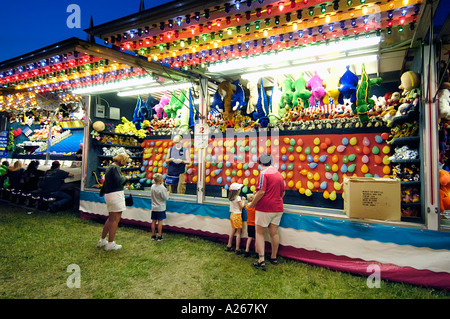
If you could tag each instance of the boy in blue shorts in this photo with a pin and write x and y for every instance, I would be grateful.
(159, 197)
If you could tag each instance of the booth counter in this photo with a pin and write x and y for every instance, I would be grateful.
(400, 252)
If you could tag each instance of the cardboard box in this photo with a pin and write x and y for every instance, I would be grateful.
(372, 198)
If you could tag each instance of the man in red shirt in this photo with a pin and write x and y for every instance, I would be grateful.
(268, 202)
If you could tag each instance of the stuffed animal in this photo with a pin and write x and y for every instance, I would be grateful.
(138, 117)
(410, 82)
(390, 108)
(331, 83)
(147, 107)
(363, 102)
(98, 126)
(262, 107)
(287, 95)
(252, 86)
(188, 113)
(232, 95)
(217, 104)
(315, 85)
(225, 90)
(159, 108)
(444, 179)
(301, 93)
(175, 104)
(444, 104)
(276, 112)
(238, 98)
(348, 83)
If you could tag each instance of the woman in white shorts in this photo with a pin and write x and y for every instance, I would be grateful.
(115, 200)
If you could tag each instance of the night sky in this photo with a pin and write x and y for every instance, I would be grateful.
(28, 25)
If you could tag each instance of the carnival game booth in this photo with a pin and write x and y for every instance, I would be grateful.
(338, 92)
(41, 119)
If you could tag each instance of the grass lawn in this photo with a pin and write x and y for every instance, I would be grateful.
(36, 249)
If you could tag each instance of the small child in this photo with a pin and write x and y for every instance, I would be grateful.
(236, 206)
(159, 197)
(250, 225)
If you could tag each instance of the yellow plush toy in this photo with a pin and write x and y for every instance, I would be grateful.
(128, 127)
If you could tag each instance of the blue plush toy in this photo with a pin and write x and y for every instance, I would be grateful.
(262, 107)
(229, 98)
(238, 98)
(138, 117)
(348, 83)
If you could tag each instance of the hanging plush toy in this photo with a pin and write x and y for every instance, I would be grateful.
(252, 86)
(147, 107)
(231, 96)
(225, 91)
(262, 107)
(347, 89)
(276, 112)
(363, 102)
(286, 92)
(159, 108)
(444, 104)
(138, 117)
(315, 85)
(331, 83)
(238, 98)
(188, 113)
(175, 104)
(301, 93)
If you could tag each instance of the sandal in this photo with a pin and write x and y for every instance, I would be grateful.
(229, 249)
(273, 261)
(260, 265)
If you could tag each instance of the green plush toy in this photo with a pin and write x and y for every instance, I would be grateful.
(175, 104)
(286, 92)
(363, 102)
(301, 93)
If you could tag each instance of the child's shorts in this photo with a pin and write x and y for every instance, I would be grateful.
(251, 231)
(236, 220)
(158, 215)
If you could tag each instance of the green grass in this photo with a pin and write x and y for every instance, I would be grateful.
(37, 248)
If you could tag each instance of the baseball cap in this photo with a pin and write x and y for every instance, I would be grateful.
(235, 186)
(265, 159)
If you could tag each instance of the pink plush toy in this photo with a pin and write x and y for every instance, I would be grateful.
(315, 85)
(159, 108)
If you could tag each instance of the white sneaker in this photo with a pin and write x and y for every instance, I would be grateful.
(102, 242)
(112, 246)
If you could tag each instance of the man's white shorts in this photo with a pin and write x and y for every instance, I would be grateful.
(264, 219)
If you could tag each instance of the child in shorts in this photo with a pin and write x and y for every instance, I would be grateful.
(236, 206)
(159, 196)
(250, 226)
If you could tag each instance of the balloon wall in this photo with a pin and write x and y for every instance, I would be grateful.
(309, 164)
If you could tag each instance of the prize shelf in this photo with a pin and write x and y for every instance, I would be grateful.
(413, 142)
(101, 145)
